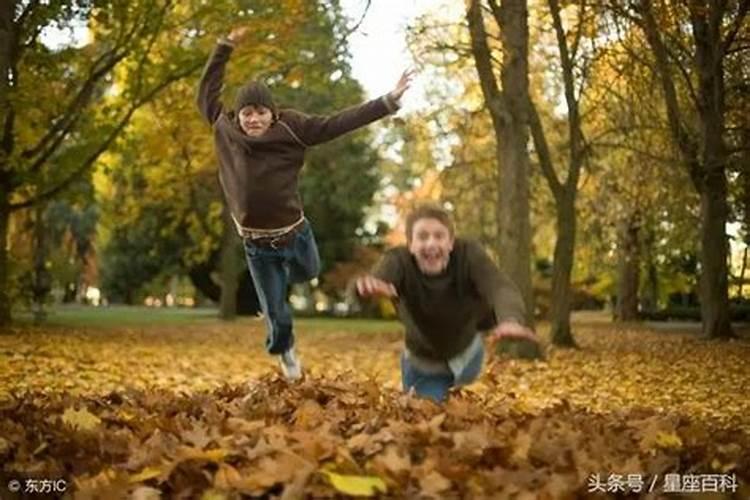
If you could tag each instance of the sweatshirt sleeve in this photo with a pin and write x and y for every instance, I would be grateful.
(212, 79)
(317, 129)
(390, 269)
(494, 286)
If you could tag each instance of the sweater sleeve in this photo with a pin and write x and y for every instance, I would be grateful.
(494, 286)
(212, 79)
(390, 269)
(317, 129)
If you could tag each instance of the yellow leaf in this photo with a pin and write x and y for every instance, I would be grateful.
(145, 474)
(668, 440)
(82, 419)
(723, 468)
(365, 486)
(40, 448)
(213, 495)
(212, 455)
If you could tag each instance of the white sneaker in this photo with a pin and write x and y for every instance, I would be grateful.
(290, 365)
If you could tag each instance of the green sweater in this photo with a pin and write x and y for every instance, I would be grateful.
(259, 174)
(443, 313)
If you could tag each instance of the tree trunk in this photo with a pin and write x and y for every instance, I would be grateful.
(41, 282)
(565, 192)
(705, 157)
(629, 270)
(649, 295)
(563, 265)
(229, 263)
(743, 269)
(714, 284)
(7, 10)
(512, 134)
(509, 114)
(714, 206)
(4, 277)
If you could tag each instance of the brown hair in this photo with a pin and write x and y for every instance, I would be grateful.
(428, 210)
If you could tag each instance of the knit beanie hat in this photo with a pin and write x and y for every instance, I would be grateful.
(256, 93)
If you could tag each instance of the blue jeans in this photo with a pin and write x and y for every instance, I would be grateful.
(273, 270)
(435, 386)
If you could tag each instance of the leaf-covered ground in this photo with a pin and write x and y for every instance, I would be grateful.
(201, 412)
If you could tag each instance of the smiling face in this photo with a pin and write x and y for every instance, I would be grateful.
(255, 120)
(431, 243)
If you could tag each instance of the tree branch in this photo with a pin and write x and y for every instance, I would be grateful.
(737, 23)
(543, 153)
(685, 143)
(483, 61)
(574, 121)
(107, 142)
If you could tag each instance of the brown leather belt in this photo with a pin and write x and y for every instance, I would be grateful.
(276, 242)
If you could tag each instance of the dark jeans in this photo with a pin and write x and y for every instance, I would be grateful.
(273, 270)
(435, 386)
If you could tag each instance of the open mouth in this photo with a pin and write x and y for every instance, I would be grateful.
(432, 259)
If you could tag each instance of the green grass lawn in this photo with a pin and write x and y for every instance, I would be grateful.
(116, 316)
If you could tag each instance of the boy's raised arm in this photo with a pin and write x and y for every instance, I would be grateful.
(317, 129)
(212, 79)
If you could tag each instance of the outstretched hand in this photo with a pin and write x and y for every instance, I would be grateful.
(238, 34)
(368, 286)
(512, 330)
(403, 84)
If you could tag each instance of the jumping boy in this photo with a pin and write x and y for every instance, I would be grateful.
(261, 150)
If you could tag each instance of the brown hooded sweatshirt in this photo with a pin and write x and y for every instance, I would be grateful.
(259, 174)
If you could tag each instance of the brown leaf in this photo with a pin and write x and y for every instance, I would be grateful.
(434, 484)
(393, 461)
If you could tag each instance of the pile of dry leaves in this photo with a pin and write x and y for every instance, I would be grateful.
(338, 434)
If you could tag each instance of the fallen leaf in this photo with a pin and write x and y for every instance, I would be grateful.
(146, 474)
(82, 419)
(434, 484)
(365, 486)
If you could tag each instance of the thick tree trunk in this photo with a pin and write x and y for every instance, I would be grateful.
(514, 236)
(628, 270)
(6, 40)
(229, 263)
(704, 156)
(509, 113)
(714, 274)
(563, 265)
(714, 206)
(4, 277)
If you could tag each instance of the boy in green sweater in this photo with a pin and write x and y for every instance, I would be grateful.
(447, 289)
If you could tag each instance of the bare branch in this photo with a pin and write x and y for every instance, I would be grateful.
(666, 160)
(579, 31)
(543, 153)
(483, 60)
(359, 23)
(574, 123)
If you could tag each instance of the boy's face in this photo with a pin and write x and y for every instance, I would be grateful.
(255, 119)
(431, 244)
